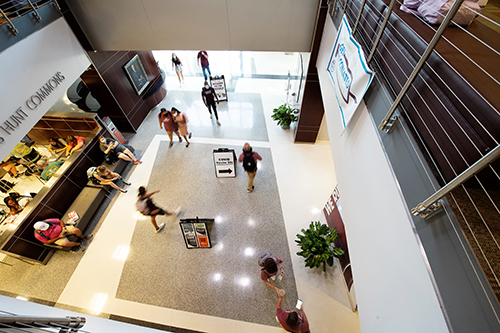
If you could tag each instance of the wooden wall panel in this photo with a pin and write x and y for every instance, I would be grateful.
(111, 87)
(311, 110)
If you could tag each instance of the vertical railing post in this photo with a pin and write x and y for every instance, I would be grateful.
(343, 9)
(388, 121)
(54, 2)
(11, 26)
(35, 12)
(382, 28)
(359, 17)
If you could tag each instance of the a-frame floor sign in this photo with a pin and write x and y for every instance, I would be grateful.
(225, 163)
(219, 85)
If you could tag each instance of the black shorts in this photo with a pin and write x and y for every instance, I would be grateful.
(161, 212)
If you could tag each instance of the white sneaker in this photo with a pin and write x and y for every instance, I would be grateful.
(177, 211)
(160, 228)
(218, 123)
(210, 116)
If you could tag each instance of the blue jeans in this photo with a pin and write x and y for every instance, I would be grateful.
(204, 69)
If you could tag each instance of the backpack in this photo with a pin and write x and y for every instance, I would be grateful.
(90, 175)
(263, 257)
(249, 163)
(41, 233)
(142, 206)
(111, 157)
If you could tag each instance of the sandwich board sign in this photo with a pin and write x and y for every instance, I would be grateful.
(219, 85)
(195, 232)
(225, 163)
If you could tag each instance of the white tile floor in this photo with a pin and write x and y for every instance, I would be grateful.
(305, 176)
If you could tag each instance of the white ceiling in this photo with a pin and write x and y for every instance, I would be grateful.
(257, 25)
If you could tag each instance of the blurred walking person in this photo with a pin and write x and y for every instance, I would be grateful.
(146, 207)
(209, 96)
(181, 120)
(166, 120)
(177, 64)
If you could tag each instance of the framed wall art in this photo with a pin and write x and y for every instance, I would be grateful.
(136, 74)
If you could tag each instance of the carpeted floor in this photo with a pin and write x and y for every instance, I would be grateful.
(223, 281)
(479, 220)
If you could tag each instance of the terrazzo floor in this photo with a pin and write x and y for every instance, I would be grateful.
(223, 281)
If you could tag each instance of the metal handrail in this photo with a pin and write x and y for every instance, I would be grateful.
(73, 323)
(381, 31)
(388, 120)
(9, 22)
(33, 10)
(359, 17)
(431, 204)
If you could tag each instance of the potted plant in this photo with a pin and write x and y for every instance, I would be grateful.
(317, 245)
(285, 115)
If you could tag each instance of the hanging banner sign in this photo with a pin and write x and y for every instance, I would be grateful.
(349, 72)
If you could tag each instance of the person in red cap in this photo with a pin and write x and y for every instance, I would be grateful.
(249, 159)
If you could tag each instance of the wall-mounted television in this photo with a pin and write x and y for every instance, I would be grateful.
(136, 74)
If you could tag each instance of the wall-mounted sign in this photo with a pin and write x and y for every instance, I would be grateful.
(36, 72)
(195, 232)
(349, 72)
(333, 215)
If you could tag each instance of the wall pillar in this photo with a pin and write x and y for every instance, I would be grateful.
(311, 110)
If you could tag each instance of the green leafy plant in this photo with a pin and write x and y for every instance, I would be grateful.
(317, 245)
(285, 115)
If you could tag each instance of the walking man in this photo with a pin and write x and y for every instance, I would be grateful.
(209, 96)
(203, 56)
(292, 321)
(249, 159)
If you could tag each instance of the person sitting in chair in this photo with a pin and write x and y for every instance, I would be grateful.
(17, 202)
(56, 145)
(53, 231)
(9, 165)
(103, 176)
(75, 143)
(119, 150)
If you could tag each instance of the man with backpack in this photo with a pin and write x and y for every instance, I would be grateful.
(249, 159)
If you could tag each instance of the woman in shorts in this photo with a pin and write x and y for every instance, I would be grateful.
(177, 63)
(107, 177)
(146, 206)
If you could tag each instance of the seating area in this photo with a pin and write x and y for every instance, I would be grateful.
(87, 203)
